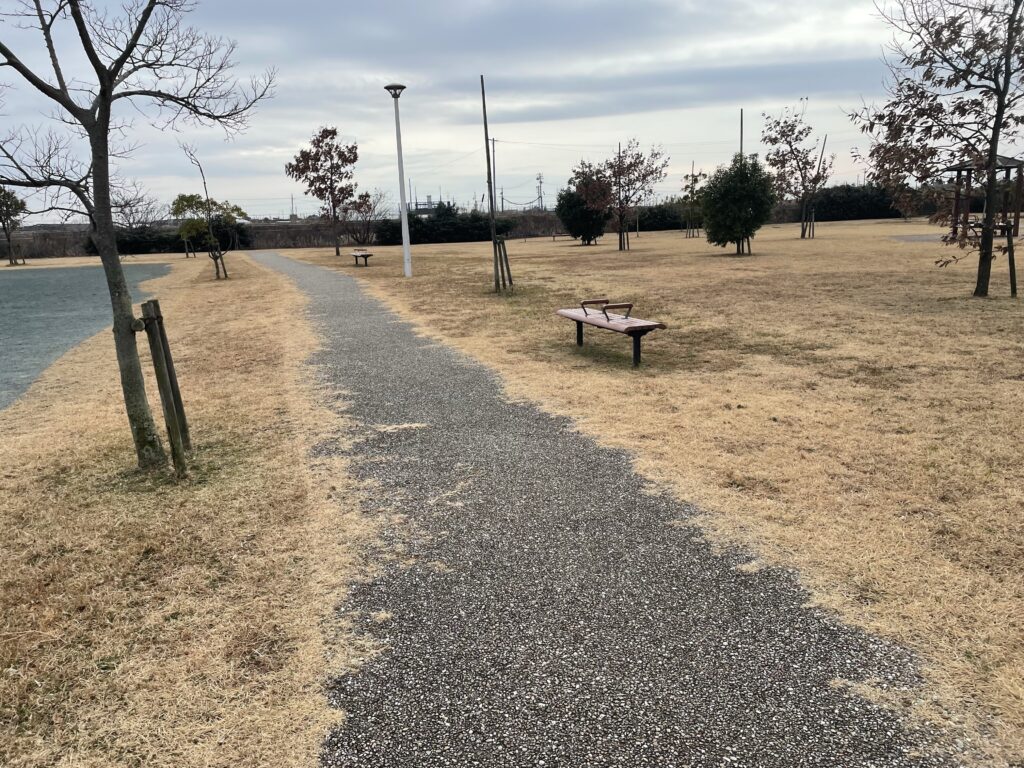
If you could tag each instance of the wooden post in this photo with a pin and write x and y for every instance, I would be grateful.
(967, 203)
(1012, 263)
(179, 405)
(156, 348)
(1006, 199)
(506, 267)
(621, 211)
(956, 203)
(1017, 202)
(490, 190)
(500, 244)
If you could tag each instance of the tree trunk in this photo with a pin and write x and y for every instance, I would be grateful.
(985, 254)
(337, 235)
(803, 219)
(11, 258)
(148, 448)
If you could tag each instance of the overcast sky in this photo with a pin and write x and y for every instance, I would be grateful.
(566, 79)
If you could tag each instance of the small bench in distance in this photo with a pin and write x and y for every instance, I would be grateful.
(633, 327)
(364, 255)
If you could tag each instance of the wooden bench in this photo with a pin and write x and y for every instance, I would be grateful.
(602, 317)
(364, 255)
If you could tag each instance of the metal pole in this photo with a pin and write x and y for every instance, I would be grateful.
(406, 254)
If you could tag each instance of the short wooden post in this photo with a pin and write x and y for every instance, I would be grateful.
(499, 244)
(179, 405)
(956, 203)
(507, 266)
(966, 213)
(1017, 202)
(163, 380)
(1010, 259)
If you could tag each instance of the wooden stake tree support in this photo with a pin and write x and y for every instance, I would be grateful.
(167, 382)
(502, 269)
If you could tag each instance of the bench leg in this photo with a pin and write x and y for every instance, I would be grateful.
(636, 350)
(579, 334)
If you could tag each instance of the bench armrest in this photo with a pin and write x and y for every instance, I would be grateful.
(606, 307)
(591, 303)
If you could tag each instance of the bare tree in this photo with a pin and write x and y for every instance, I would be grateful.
(801, 168)
(326, 170)
(633, 175)
(363, 215)
(12, 211)
(142, 53)
(135, 209)
(225, 211)
(956, 91)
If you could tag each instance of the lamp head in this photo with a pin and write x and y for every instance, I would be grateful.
(394, 89)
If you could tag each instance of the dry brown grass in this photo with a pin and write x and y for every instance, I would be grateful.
(152, 623)
(838, 405)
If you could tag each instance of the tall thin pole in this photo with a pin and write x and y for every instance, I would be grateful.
(623, 232)
(494, 164)
(490, 188)
(406, 253)
(741, 132)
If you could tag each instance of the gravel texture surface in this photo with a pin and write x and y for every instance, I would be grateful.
(548, 608)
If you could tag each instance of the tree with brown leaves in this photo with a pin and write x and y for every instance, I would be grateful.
(956, 93)
(139, 53)
(801, 168)
(326, 168)
(632, 174)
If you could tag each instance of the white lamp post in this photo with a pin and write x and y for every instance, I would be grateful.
(396, 90)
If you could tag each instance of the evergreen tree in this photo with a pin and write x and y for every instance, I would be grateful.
(580, 220)
(738, 201)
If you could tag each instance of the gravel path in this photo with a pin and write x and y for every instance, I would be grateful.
(548, 608)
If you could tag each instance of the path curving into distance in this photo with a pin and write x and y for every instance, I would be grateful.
(547, 610)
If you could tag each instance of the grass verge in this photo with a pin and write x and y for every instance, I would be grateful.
(838, 405)
(153, 623)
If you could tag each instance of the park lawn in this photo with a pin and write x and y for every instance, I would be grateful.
(153, 623)
(840, 406)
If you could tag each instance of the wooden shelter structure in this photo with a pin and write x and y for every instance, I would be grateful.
(967, 174)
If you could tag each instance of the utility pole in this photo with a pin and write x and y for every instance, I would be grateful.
(741, 132)
(540, 190)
